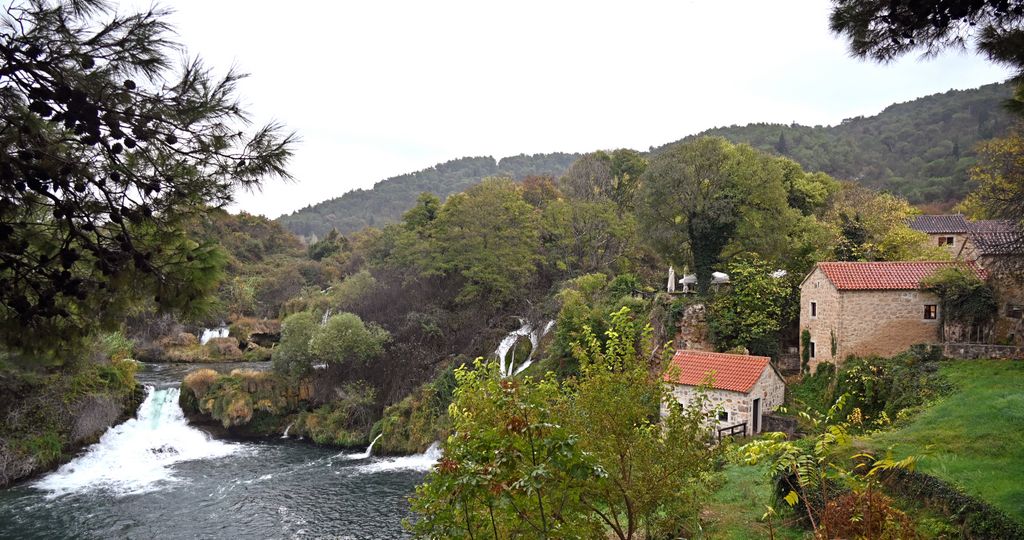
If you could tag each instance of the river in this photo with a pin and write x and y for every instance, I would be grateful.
(156, 477)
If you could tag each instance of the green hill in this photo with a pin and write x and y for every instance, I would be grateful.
(921, 149)
(390, 198)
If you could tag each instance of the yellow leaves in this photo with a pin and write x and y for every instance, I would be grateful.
(791, 498)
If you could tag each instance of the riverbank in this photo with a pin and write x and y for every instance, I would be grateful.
(47, 416)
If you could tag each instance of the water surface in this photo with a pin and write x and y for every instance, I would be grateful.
(156, 477)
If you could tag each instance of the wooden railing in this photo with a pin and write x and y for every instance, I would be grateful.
(731, 431)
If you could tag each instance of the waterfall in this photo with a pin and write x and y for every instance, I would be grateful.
(285, 434)
(416, 462)
(507, 365)
(365, 454)
(327, 315)
(136, 456)
(211, 333)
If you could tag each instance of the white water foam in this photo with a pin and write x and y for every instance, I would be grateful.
(362, 455)
(506, 365)
(417, 462)
(136, 456)
(285, 434)
(210, 333)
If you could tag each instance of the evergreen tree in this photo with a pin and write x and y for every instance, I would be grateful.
(782, 147)
(105, 152)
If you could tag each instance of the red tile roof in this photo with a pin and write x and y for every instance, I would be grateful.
(902, 275)
(735, 372)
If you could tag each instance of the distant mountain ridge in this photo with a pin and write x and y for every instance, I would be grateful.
(389, 199)
(921, 149)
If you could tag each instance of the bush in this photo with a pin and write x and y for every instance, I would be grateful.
(199, 381)
(411, 425)
(344, 422)
(867, 514)
(879, 390)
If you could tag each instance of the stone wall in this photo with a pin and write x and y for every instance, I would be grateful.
(959, 248)
(975, 351)
(769, 388)
(885, 323)
(818, 289)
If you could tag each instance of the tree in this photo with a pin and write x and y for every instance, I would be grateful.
(489, 238)
(331, 244)
(529, 459)
(754, 309)
(967, 303)
(345, 340)
(707, 200)
(581, 237)
(656, 474)
(874, 226)
(999, 176)
(884, 30)
(510, 469)
(602, 175)
(105, 154)
(292, 356)
(688, 202)
(781, 146)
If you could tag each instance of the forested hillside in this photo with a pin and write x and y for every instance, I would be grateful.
(921, 149)
(389, 198)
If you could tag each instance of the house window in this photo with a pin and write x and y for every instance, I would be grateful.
(945, 240)
(814, 309)
(1015, 311)
(931, 311)
(812, 349)
(723, 416)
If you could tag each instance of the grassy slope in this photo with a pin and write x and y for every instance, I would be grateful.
(974, 437)
(738, 505)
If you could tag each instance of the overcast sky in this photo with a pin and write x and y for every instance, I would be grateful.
(380, 88)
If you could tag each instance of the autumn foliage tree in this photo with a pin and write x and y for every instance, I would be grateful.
(105, 150)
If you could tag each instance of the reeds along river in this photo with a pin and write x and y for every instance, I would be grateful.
(156, 477)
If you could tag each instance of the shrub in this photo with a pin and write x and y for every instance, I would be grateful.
(199, 381)
(867, 514)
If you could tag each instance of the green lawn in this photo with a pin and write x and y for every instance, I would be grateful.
(738, 505)
(973, 438)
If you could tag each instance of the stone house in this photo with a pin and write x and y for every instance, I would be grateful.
(740, 388)
(869, 308)
(950, 231)
(996, 246)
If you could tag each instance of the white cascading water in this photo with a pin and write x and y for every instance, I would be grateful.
(365, 454)
(285, 434)
(416, 462)
(506, 365)
(211, 333)
(136, 456)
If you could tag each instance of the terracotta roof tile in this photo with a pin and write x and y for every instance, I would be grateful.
(902, 275)
(936, 224)
(735, 372)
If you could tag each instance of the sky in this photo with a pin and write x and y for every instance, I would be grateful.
(381, 88)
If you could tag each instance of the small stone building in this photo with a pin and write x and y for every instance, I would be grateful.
(743, 388)
(869, 308)
(950, 231)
